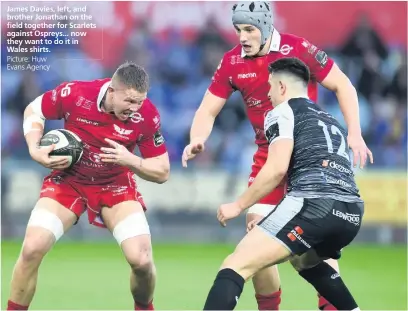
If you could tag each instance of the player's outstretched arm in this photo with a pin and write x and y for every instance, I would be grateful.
(279, 125)
(270, 175)
(205, 115)
(331, 77)
(202, 125)
(346, 93)
(268, 178)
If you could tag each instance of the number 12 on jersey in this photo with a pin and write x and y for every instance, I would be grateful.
(335, 131)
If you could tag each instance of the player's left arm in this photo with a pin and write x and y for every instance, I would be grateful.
(328, 74)
(279, 126)
(155, 169)
(154, 165)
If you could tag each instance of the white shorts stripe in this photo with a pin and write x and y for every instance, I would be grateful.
(284, 212)
(261, 209)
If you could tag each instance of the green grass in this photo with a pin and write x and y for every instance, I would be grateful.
(79, 276)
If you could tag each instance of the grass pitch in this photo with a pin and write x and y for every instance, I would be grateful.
(84, 276)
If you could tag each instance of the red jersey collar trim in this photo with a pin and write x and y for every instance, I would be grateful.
(101, 94)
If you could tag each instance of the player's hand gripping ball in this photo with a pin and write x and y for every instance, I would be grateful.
(118, 154)
(59, 149)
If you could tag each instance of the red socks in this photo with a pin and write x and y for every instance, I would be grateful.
(268, 302)
(11, 306)
(324, 304)
(148, 307)
(272, 302)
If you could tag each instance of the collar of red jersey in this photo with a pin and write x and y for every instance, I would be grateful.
(275, 43)
(101, 94)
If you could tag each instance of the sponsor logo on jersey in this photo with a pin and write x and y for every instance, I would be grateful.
(122, 133)
(158, 138)
(54, 97)
(95, 161)
(236, 59)
(84, 103)
(351, 218)
(321, 58)
(336, 166)
(136, 117)
(96, 158)
(339, 182)
(82, 120)
(252, 102)
(247, 75)
(286, 49)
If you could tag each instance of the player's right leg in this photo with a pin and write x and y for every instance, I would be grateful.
(55, 212)
(267, 281)
(325, 280)
(325, 234)
(48, 222)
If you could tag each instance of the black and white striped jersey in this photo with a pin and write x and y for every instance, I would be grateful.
(320, 165)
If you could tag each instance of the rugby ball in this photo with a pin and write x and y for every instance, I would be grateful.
(67, 144)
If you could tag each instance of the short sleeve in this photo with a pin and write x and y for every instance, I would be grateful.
(152, 143)
(279, 123)
(220, 85)
(318, 61)
(55, 103)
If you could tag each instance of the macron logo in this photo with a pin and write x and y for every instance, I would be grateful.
(247, 75)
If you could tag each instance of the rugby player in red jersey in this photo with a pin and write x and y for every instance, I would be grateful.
(245, 69)
(112, 117)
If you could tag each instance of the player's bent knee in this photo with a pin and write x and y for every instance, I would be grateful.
(46, 220)
(37, 242)
(132, 226)
(138, 253)
(305, 261)
(142, 263)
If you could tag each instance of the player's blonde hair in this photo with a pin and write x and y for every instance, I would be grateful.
(132, 76)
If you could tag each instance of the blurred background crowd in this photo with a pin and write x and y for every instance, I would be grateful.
(181, 65)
